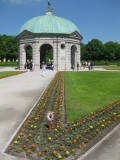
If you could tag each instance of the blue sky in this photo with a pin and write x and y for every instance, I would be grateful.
(95, 18)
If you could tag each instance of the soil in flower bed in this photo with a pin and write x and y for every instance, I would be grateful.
(65, 140)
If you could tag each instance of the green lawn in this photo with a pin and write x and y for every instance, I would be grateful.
(112, 67)
(88, 91)
(9, 73)
(108, 67)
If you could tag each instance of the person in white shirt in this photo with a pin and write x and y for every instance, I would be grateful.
(43, 69)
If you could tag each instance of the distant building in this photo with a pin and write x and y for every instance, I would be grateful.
(49, 32)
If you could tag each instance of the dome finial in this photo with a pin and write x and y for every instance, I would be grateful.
(49, 3)
(49, 10)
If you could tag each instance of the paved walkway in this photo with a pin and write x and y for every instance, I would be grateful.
(18, 95)
(107, 149)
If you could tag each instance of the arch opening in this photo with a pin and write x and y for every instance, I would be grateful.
(28, 56)
(28, 50)
(73, 50)
(46, 55)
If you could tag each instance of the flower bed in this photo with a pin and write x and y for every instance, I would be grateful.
(35, 141)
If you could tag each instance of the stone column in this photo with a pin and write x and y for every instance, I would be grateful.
(36, 55)
(59, 55)
(68, 57)
(76, 59)
(55, 55)
(22, 56)
(78, 55)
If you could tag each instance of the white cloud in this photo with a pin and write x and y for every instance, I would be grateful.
(19, 1)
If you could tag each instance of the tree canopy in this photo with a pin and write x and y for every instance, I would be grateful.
(8, 48)
(96, 50)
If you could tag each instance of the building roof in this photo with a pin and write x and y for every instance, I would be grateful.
(49, 24)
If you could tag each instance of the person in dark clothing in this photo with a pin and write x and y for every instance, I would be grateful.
(25, 66)
(91, 66)
(28, 65)
(77, 66)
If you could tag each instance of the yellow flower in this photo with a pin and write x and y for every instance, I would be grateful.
(49, 138)
(91, 127)
(31, 126)
(35, 127)
(15, 142)
(29, 135)
(59, 156)
(80, 146)
(20, 149)
(36, 118)
(67, 152)
(18, 137)
(55, 129)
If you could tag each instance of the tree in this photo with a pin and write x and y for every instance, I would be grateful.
(94, 50)
(49, 55)
(109, 51)
(83, 51)
(1, 49)
(117, 51)
(8, 47)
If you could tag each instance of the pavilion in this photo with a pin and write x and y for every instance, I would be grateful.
(52, 39)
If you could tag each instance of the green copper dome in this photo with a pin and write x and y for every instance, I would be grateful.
(49, 24)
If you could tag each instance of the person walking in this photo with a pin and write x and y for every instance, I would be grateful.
(77, 66)
(25, 66)
(33, 66)
(91, 66)
(43, 69)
